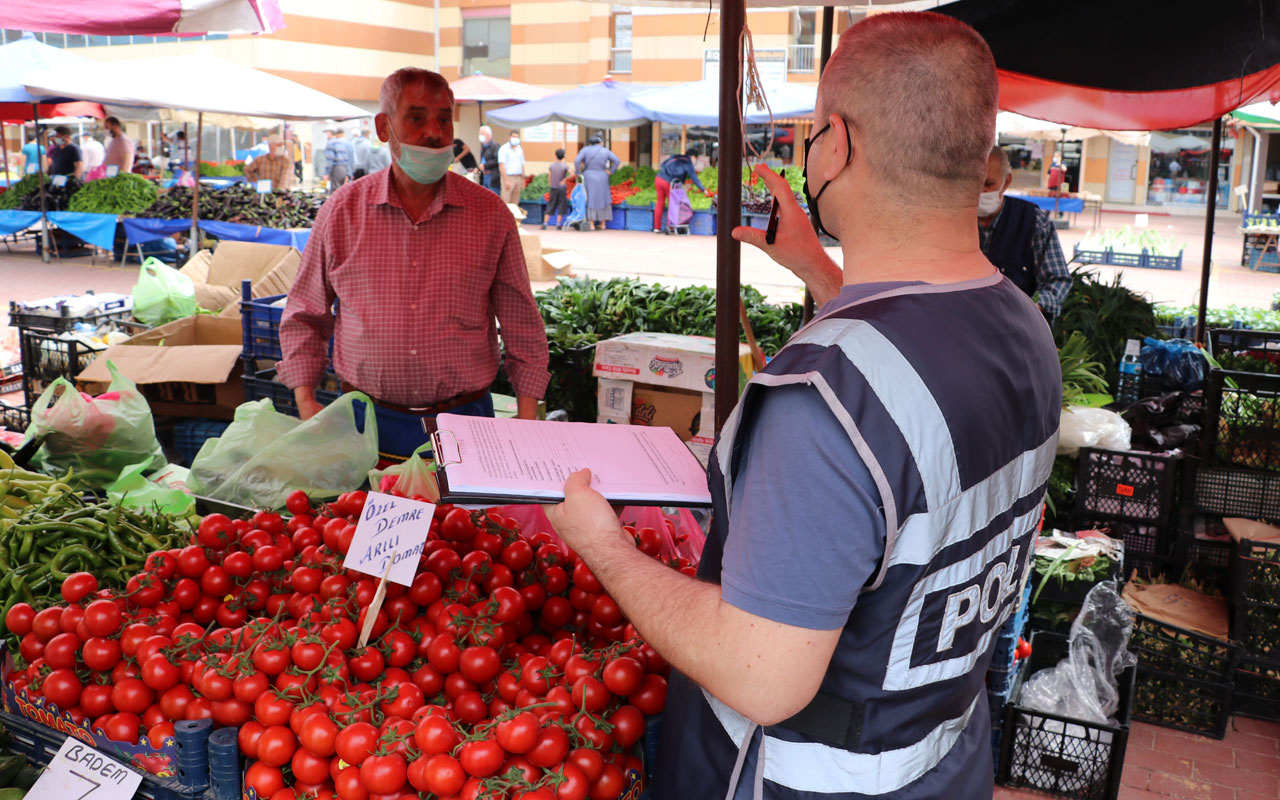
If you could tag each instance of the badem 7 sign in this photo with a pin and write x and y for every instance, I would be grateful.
(390, 536)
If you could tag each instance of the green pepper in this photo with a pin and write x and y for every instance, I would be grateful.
(71, 550)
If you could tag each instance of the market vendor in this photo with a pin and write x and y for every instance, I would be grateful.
(1020, 239)
(420, 261)
(64, 156)
(275, 166)
(878, 487)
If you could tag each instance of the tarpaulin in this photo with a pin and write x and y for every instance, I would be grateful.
(144, 17)
(96, 229)
(138, 230)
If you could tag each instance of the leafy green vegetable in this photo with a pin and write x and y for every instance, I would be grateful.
(1106, 314)
(1127, 240)
(11, 198)
(644, 197)
(539, 186)
(1081, 375)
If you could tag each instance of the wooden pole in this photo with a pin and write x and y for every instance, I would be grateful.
(733, 16)
(684, 139)
(4, 145)
(1210, 212)
(194, 244)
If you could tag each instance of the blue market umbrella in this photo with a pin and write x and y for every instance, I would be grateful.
(595, 105)
(698, 103)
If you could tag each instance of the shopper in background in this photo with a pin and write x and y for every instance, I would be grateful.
(120, 150)
(511, 162)
(878, 487)
(31, 155)
(293, 148)
(360, 154)
(464, 161)
(421, 262)
(673, 168)
(94, 153)
(66, 158)
(275, 166)
(1021, 240)
(489, 160)
(337, 160)
(594, 164)
(379, 157)
(179, 152)
(557, 199)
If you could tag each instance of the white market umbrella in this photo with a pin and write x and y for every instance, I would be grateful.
(698, 103)
(1013, 124)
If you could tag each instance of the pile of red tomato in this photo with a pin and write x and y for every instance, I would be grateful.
(503, 671)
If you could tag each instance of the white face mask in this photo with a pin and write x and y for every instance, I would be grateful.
(515, 141)
(989, 203)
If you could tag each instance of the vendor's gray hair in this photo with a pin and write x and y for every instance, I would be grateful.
(398, 81)
(1000, 153)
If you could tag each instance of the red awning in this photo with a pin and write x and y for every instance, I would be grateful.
(14, 113)
(1108, 109)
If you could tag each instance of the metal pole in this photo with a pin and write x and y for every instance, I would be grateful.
(824, 55)
(194, 244)
(435, 25)
(733, 15)
(4, 145)
(44, 218)
(1209, 213)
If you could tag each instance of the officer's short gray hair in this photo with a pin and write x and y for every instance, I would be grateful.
(401, 79)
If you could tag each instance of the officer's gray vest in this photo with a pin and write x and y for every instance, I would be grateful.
(961, 470)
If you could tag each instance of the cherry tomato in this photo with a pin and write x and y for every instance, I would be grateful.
(77, 586)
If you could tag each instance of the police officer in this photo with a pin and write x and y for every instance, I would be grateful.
(878, 486)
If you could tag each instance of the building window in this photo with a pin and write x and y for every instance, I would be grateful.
(804, 26)
(486, 46)
(620, 53)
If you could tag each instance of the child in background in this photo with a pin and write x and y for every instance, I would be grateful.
(558, 201)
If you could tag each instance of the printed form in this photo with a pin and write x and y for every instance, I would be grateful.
(532, 458)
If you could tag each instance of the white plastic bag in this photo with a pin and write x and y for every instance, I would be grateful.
(1083, 426)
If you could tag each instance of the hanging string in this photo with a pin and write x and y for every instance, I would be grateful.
(753, 90)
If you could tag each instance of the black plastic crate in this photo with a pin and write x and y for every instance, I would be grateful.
(1184, 678)
(1257, 597)
(119, 310)
(262, 383)
(1201, 577)
(15, 418)
(1257, 689)
(1058, 754)
(1242, 420)
(46, 357)
(1055, 589)
(1232, 491)
(1228, 344)
(1140, 540)
(1125, 485)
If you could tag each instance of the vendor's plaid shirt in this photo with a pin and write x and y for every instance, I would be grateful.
(1053, 279)
(277, 169)
(417, 299)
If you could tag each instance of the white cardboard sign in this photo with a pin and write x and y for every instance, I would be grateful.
(59, 180)
(79, 772)
(264, 186)
(113, 171)
(392, 530)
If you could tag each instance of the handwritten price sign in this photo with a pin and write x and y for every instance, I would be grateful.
(78, 772)
(390, 535)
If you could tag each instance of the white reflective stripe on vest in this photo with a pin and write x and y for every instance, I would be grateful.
(909, 402)
(815, 767)
(975, 508)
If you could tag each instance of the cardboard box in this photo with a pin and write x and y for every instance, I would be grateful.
(690, 414)
(531, 243)
(217, 274)
(555, 263)
(188, 368)
(666, 359)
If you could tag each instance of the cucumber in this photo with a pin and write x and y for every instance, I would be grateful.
(26, 778)
(12, 793)
(10, 766)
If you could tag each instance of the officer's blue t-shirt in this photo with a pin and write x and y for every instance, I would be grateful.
(801, 557)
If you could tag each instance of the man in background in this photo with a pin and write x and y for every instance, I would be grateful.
(93, 152)
(275, 166)
(65, 158)
(511, 162)
(120, 150)
(489, 159)
(337, 160)
(1020, 240)
(360, 154)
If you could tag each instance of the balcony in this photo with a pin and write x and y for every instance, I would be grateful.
(800, 58)
(620, 59)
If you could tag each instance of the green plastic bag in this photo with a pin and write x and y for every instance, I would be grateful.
(95, 437)
(415, 478)
(134, 490)
(162, 294)
(264, 455)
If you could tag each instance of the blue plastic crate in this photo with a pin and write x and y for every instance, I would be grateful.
(1120, 259)
(189, 436)
(1154, 261)
(262, 383)
(260, 325)
(1090, 256)
(1255, 219)
(757, 221)
(639, 218)
(619, 220)
(1264, 261)
(533, 211)
(703, 223)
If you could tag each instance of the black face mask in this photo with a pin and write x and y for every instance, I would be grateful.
(811, 199)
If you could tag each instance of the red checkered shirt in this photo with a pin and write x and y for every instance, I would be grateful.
(416, 298)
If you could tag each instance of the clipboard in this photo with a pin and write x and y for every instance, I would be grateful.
(445, 451)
